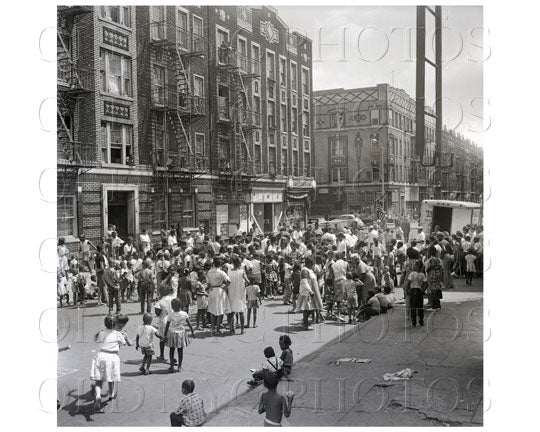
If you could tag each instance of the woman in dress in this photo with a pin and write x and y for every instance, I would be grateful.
(218, 283)
(184, 291)
(237, 293)
(317, 299)
(434, 273)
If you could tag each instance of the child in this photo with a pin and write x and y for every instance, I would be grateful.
(253, 295)
(305, 304)
(124, 282)
(387, 278)
(274, 404)
(119, 325)
(295, 280)
(270, 269)
(287, 274)
(417, 285)
(190, 411)
(383, 299)
(175, 333)
(163, 309)
(145, 339)
(106, 364)
(271, 364)
(202, 303)
(350, 286)
(79, 288)
(286, 354)
(371, 308)
(470, 258)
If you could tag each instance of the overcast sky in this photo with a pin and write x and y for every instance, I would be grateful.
(377, 51)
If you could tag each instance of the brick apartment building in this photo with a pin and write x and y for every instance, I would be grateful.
(367, 134)
(197, 115)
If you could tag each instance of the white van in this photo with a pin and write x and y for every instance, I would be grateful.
(451, 216)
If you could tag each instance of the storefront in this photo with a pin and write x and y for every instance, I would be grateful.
(297, 204)
(266, 208)
(230, 216)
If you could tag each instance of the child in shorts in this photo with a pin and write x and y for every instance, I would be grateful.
(351, 295)
(145, 340)
(253, 295)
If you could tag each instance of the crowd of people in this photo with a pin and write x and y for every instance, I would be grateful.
(320, 272)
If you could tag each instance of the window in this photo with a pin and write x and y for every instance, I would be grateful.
(337, 147)
(182, 29)
(256, 86)
(115, 74)
(295, 163)
(306, 104)
(160, 138)
(270, 66)
(223, 46)
(66, 221)
(284, 162)
(283, 71)
(256, 56)
(271, 90)
(157, 22)
(271, 138)
(198, 34)
(390, 117)
(337, 120)
(294, 120)
(117, 14)
(258, 157)
(305, 81)
(242, 55)
(272, 159)
(374, 113)
(158, 84)
(257, 110)
(305, 123)
(339, 175)
(307, 164)
(294, 99)
(199, 143)
(283, 118)
(295, 144)
(271, 109)
(294, 76)
(198, 86)
(117, 143)
(306, 145)
(223, 102)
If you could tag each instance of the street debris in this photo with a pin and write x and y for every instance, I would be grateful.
(349, 360)
(397, 376)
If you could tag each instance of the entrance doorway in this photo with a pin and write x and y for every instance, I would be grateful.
(117, 206)
(268, 218)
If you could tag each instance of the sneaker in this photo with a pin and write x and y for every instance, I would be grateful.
(147, 372)
(142, 369)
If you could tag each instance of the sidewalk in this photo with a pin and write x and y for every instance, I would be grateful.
(445, 390)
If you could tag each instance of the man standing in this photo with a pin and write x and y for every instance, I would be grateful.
(146, 285)
(340, 269)
(145, 242)
(421, 236)
(110, 278)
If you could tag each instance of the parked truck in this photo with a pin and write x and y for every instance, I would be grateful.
(451, 216)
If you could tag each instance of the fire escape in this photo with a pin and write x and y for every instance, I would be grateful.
(236, 115)
(74, 83)
(178, 104)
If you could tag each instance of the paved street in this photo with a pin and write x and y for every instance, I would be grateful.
(446, 356)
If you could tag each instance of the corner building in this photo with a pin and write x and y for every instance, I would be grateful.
(364, 144)
(195, 115)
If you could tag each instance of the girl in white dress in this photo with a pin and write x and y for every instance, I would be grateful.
(106, 364)
(175, 333)
(163, 309)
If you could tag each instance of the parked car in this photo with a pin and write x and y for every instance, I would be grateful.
(345, 220)
(322, 221)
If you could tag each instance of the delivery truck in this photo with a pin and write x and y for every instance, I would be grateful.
(451, 216)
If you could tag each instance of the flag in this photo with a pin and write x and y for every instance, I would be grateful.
(381, 214)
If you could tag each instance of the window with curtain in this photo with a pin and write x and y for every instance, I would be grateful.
(115, 74)
(66, 221)
(117, 14)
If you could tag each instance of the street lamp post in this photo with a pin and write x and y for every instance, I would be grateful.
(375, 140)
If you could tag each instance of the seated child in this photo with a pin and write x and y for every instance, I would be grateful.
(271, 363)
(371, 308)
(274, 404)
(383, 299)
(190, 411)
